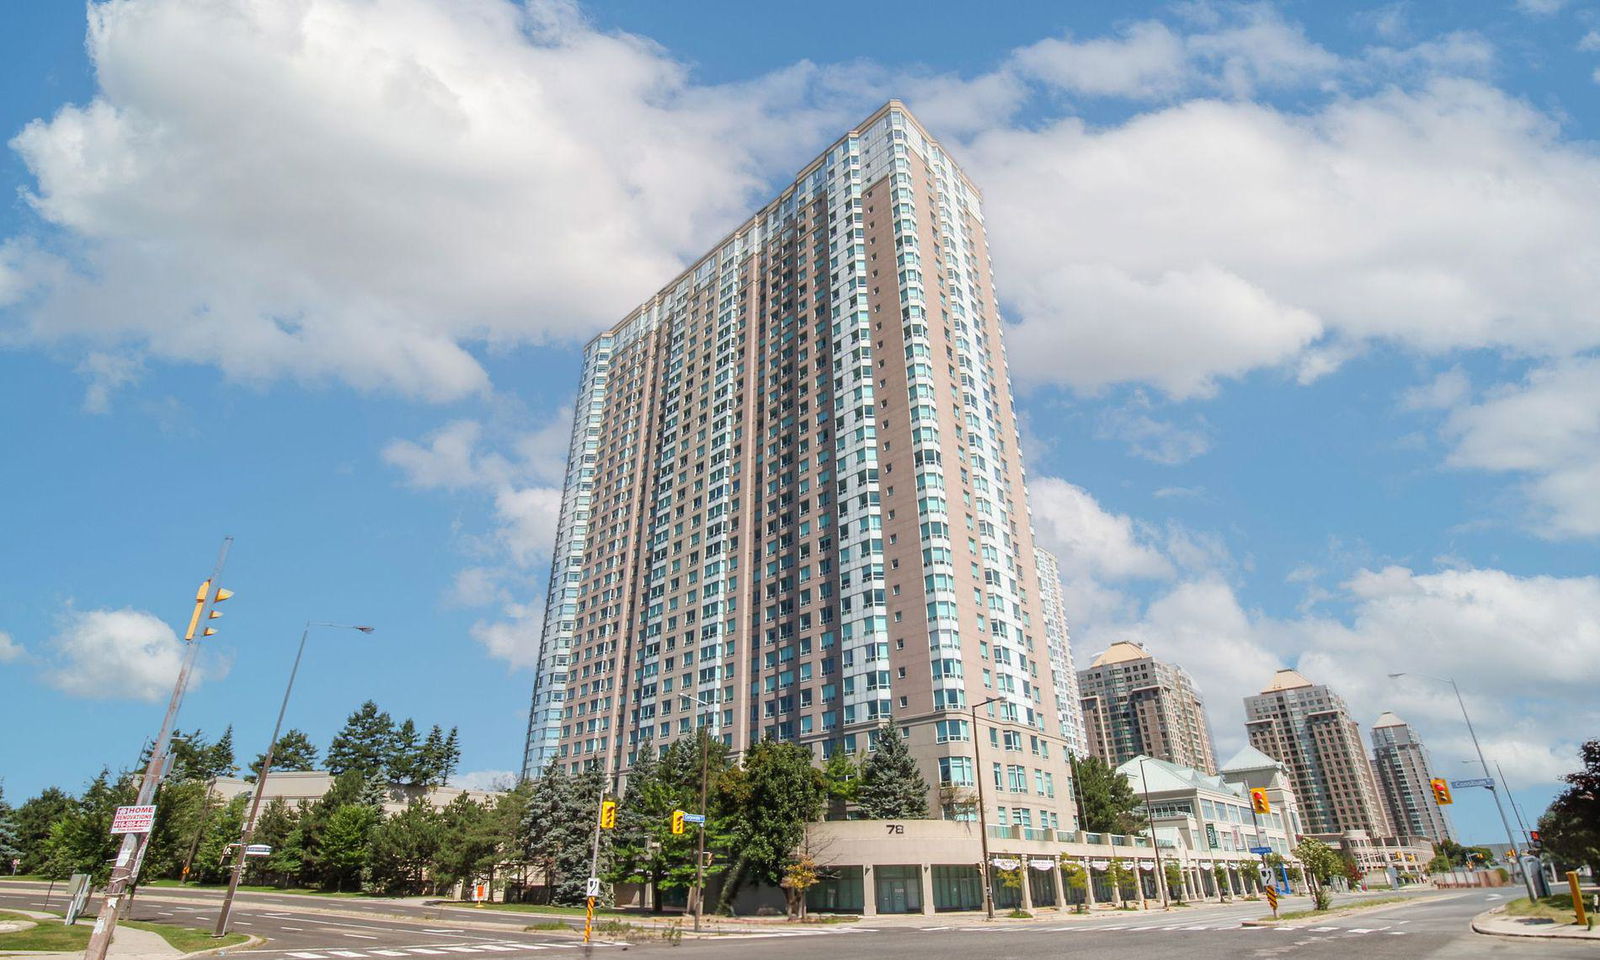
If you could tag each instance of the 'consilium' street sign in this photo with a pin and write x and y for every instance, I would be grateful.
(1476, 782)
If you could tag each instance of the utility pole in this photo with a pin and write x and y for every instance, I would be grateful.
(1155, 844)
(705, 778)
(131, 854)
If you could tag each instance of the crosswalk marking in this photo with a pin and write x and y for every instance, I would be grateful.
(307, 956)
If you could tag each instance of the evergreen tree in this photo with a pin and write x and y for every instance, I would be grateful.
(468, 840)
(294, 752)
(892, 787)
(365, 744)
(841, 778)
(770, 798)
(34, 820)
(1570, 828)
(402, 847)
(348, 789)
(10, 835)
(278, 827)
(1106, 801)
(557, 829)
(406, 763)
(343, 850)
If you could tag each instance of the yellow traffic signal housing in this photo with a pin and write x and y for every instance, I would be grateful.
(677, 821)
(1258, 800)
(608, 814)
(223, 593)
(1441, 791)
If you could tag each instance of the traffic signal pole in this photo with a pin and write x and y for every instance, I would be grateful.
(130, 855)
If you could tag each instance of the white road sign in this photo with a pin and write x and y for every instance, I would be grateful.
(134, 819)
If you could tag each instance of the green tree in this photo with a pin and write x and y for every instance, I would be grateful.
(1570, 828)
(892, 787)
(350, 788)
(841, 778)
(1174, 881)
(34, 820)
(365, 744)
(295, 752)
(1122, 879)
(467, 840)
(438, 757)
(557, 829)
(1322, 863)
(403, 847)
(770, 799)
(1076, 878)
(344, 849)
(81, 840)
(10, 835)
(1107, 803)
(404, 763)
(279, 828)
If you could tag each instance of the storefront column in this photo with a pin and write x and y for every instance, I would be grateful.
(1061, 888)
(1027, 884)
(869, 893)
(927, 889)
(1088, 886)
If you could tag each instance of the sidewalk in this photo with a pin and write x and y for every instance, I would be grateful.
(1498, 924)
(128, 944)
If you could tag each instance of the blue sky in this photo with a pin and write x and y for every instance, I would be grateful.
(1302, 294)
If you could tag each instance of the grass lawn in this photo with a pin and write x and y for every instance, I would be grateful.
(1339, 908)
(1557, 908)
(187, 939)
(52, 935)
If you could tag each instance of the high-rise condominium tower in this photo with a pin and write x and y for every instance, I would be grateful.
(1135, 704)
(1400, 764)
(1308, 728)
(795, 503)
(1068, 703)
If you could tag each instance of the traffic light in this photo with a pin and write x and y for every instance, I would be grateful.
(677, 821)
(608, 814)
(200, 605)
(1258, 800)
(706, 858)
(1441, 791)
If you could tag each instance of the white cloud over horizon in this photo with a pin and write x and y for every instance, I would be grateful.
(118, 654)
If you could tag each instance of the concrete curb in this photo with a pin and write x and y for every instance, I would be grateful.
(1554, 931)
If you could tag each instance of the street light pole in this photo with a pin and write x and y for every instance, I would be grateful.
(1150, 817)
(983, 816)
(1527, 882)
(261, 778)
(700, 844)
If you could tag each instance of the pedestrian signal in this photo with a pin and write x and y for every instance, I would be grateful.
(608, 814)
(1441, 791)
(677, 821)
(1258, 800)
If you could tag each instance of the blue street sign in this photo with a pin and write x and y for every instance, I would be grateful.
(694, 818)
(1260, 851)
(1478, 782)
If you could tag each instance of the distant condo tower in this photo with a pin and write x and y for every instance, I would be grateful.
(795, 505)
(1400, 764)
(1134, 704)
(1307, 727)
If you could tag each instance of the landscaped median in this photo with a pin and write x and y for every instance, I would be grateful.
(1358, 906)
(1548, 917)
(49, 935)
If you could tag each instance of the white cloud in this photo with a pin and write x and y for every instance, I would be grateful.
(1446, 390)
(1541, 8)
(10, 649)
(327, 188)
(1087, 539)
(1590, 42)
(116, 654)
(484, 780)
(517, 637)
(1159, 441)
(1547, 428)
(1208, 239)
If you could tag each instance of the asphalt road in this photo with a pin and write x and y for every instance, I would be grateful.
(1434, 926)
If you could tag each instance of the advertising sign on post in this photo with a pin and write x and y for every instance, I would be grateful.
(137, 819)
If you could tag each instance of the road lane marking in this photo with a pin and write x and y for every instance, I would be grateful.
(441, 930)
(359, 936)
(425, 950)
(307, 956)
(390, 953)
(346, 953)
